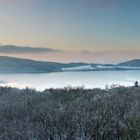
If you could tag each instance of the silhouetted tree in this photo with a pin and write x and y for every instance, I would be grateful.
(136, 84)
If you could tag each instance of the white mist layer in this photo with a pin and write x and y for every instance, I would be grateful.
(93, 79)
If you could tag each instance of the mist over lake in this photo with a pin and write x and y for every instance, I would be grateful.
(93, 79)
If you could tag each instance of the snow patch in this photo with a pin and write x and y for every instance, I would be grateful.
(85, 67)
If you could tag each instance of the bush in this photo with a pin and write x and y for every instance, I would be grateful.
(70, 114)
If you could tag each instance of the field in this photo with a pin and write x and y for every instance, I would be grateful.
(70, 114)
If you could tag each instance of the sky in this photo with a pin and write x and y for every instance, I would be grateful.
(102, 31)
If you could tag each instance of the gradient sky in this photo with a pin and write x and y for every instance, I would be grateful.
(105, 31)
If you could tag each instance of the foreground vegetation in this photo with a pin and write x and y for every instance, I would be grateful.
(70, 114)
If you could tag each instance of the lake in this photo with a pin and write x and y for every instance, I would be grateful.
(93, 79)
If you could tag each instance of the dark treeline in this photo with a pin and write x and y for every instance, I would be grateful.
(70, 114)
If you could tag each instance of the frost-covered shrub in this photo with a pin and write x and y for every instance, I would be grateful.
(70, 114)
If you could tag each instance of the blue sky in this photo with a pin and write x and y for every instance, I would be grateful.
(101, 28)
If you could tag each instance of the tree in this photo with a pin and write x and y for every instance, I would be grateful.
(136, 84)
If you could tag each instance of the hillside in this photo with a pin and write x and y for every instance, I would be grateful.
(17, 65)
(70, 114)
(131, 63)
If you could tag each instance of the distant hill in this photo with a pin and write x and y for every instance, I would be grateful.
(131, 63)
(17, 65)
